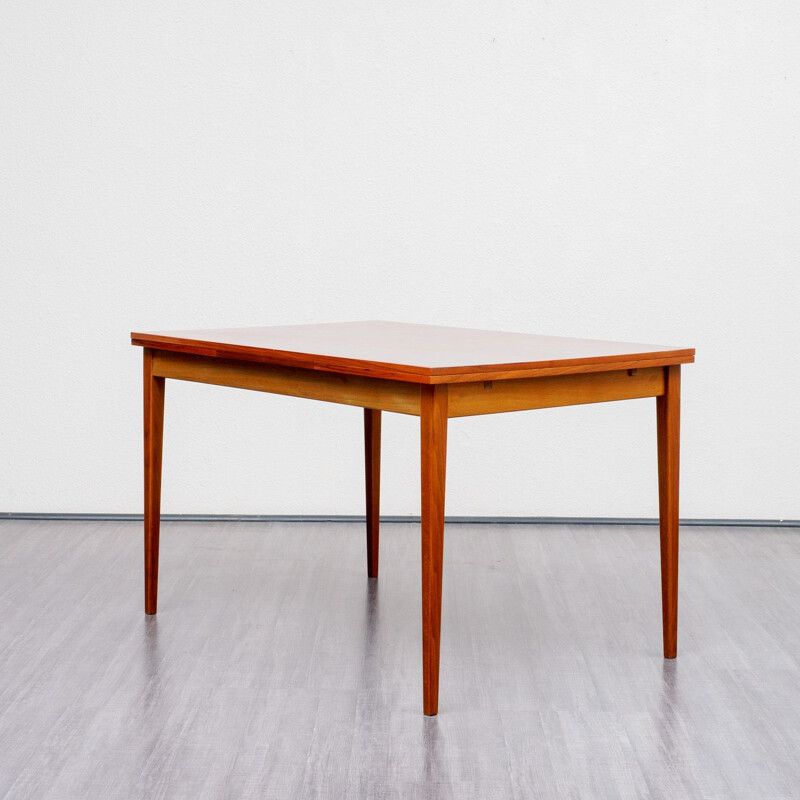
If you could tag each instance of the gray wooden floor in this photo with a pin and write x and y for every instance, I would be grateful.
(275, 669)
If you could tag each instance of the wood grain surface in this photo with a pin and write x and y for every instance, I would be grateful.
(153, 397)
(372, 471)
(419, 353)
(433, 446)
(401, 397)
(521, 394)
(668, 410)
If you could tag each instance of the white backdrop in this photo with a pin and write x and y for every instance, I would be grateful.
(619, 170)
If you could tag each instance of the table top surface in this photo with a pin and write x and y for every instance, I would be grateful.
(418, 353)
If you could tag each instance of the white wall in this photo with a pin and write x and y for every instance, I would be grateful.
(619, 170)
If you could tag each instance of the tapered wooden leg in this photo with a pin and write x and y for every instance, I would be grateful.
(668, 409)
(433, 429)
(153, 438)
(372, 461)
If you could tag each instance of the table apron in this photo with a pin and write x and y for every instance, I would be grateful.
(464, 399)
(521, 394)
(334, 387)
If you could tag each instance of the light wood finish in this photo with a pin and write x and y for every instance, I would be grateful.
(372, 470)
(420, 353)
(153, 445)
(544, 372)
(668, 410)
(433, 430)
(433, 372)
(520, 394)
(351, 390)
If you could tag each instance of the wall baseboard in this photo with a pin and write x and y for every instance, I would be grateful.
(734, 523)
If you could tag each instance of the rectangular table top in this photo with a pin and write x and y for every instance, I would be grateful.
(418, 353)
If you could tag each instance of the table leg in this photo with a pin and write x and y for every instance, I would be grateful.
(153, 438)
(668, 426)
(372, 461)
(433, 430)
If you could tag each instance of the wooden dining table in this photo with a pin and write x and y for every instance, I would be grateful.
(432, 372)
